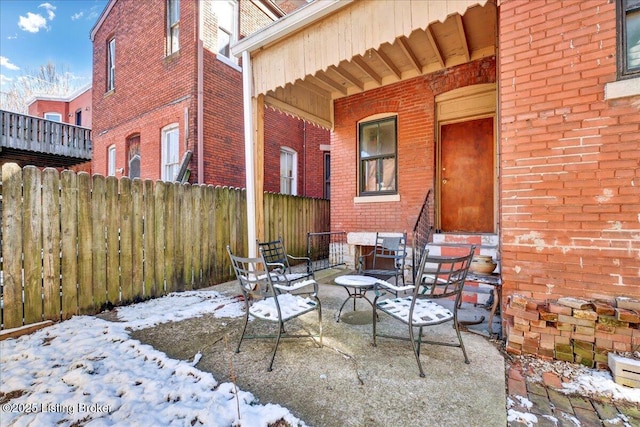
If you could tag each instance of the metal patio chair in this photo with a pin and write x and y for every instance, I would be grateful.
(277, 260)
(271, 301)
(441, 277)
(388, 257)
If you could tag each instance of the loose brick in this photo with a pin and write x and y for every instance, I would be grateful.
(604, 307)
(560, 309)
(624, 315)
(576, 321)
(628, 303)
(547, 316)
(585, 314)
(574, 303)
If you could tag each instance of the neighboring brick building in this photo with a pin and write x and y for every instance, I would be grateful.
(74, 109)
(165, 83)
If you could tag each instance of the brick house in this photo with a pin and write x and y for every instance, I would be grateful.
(520, 119)
(165, 85)
(74, 109)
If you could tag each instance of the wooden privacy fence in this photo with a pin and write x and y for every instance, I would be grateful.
(76, 244)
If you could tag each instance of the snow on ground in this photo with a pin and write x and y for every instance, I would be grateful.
(89, 371)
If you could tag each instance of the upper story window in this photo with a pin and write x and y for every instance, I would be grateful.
(111, 160)
(629, 38)
(170, 152)
(226, 11)
(288, 171)
(54, 117)
(378, 157)
(173, 26)
(111, 64)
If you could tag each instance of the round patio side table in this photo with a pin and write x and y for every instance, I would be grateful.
(356, 286)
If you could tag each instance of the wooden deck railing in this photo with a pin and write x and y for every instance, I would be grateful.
(38, 135)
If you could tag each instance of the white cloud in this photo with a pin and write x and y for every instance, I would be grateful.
(77, 16)
(5, 62)
(32, 23)
(49, 8)
(13, 37)
(5, 80)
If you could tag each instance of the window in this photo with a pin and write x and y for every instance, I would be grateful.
(111, 64)
(288, 171)
(327, 176)
(111, 160)
(226, 11)
(173, 26)
(133, 148)
(170, 153)
(54, 117)
(79, 118)
(629, 38)
(378, 157)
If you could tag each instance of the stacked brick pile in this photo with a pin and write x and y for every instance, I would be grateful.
(572, 329)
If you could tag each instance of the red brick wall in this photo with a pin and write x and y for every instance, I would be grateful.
(569, 159)
(413, 101)
(39, 107)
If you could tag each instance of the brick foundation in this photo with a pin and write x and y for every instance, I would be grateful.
(571, 329)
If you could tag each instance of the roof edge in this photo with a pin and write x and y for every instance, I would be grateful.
(289, 24)
(101, 19)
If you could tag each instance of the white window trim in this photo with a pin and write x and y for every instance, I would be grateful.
(111, 160)
(169, 28)
(384, 197)
(111, 65)
(163, 140)
(51, 115)
(231, 60)
(294, 178)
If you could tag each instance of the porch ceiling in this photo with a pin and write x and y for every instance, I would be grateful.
(364, 45)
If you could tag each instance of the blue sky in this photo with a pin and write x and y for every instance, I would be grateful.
(33, 33)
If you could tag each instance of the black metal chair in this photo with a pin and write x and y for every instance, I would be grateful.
(441, 277)
(273, 302)
(277, 260)
(388, 258)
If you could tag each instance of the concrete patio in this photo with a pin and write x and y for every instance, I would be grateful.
(349, 382)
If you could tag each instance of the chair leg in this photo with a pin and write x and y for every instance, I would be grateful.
(244, 329)
(416, 348)
(275, 348)
(375, 322)
(464, 352)
(320, 319)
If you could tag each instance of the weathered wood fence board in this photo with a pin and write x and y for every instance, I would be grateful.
(76, 244)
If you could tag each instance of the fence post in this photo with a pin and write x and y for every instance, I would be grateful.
(12, 244)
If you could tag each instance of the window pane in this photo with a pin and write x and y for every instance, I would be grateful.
(224, 43)
(134, 167)
(633, 39)
(379, 175)
(175, 38)
(174, 11)
(378, 139)
(224, 12)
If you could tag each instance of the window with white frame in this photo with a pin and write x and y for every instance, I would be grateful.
(226, 12)
(378, 159)
(54, 117)
(288, 171)
(170, 152)
(111, 64)
(173, 26)
(111, 160)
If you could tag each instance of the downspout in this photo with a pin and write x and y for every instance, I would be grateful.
(249, 159)
(200, 101)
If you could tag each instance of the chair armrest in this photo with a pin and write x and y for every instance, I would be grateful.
(384, 284)
(361, 260)
(306, 259)
(298, 285)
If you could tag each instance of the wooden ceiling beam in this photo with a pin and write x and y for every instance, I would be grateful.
(387, 62)
(360, 63)
(327, 82)
(348, 76)
(463, 37)
(434, 46)
(403, 42)
(313, 88)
